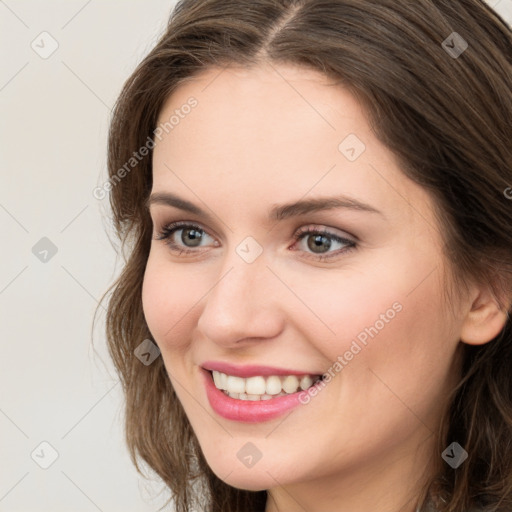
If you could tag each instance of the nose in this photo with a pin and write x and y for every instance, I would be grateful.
(243, 304)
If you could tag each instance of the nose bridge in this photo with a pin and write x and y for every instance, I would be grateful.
(238, 304)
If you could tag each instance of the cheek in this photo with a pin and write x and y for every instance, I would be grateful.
(393, 322)
(390, 359)
(346, 306)
(168, 299)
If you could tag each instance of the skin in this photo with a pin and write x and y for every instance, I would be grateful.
(266, 136)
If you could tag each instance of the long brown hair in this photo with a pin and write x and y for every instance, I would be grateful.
(448, 119)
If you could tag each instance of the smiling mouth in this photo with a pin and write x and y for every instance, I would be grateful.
(262, 388)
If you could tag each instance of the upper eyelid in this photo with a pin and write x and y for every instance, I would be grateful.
(302, 230)
(177, 224)
(332, 231)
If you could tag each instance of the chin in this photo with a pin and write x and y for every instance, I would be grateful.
(248, 479)
(250, 484)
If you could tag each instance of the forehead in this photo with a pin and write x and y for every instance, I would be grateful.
(264, 95)
(275, 133)
(264, 118)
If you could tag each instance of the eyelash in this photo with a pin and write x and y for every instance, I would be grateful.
(168, 230)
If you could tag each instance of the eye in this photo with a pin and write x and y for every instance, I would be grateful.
(320, 241)
(191, 236)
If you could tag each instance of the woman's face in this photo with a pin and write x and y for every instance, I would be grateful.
(251, 288)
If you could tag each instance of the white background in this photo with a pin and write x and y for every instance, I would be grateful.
(55, 386)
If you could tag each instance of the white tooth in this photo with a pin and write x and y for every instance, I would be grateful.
(235, 384)
(255, 385)
(273, 385)
(290, 384)
(216, 379)
(260, 388)
(306, 382)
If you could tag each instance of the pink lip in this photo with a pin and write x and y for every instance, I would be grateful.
(245, 410)
(250, 370)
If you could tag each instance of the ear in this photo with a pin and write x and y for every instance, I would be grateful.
(485, 318)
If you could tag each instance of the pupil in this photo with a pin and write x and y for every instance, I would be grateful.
(193, 236)
(317, 242)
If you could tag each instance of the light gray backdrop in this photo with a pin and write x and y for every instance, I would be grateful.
(62, 66)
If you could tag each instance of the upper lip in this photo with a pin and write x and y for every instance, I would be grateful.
(250, 370)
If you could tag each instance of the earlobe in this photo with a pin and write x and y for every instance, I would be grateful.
(485, 320)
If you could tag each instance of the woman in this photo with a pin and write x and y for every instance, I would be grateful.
(315, 196)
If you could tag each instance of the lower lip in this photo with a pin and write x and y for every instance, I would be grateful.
(248, 411)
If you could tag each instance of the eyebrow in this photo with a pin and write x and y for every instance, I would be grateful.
(277, 212)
